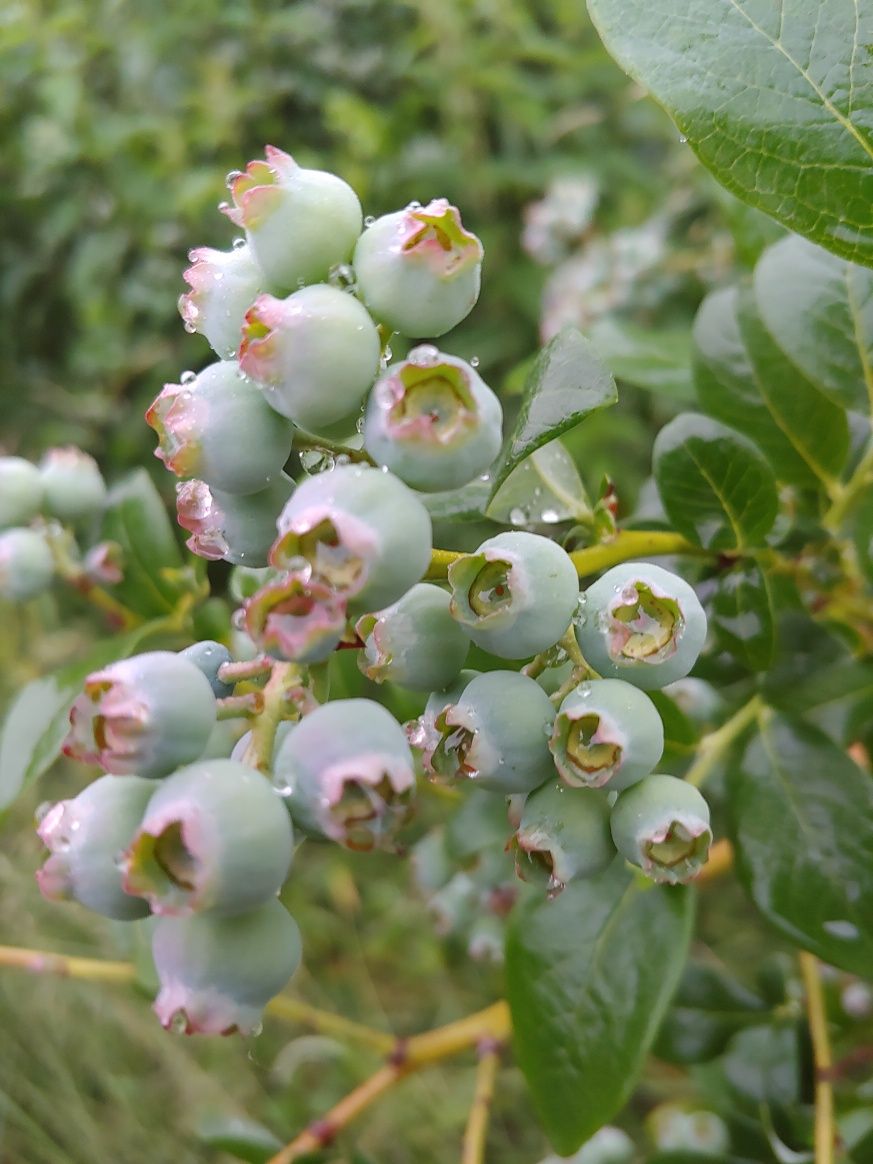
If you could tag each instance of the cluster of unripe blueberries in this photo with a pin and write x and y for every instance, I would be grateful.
(65, 490)
(338, 560)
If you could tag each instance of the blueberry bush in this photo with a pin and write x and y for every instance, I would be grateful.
(616, 737)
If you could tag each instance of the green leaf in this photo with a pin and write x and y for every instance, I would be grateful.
(730, 388)
(740, 614)
(802, 819)
(567, 383)
(240, 1137)
(658, 361)
(589, 977)
(709, 1007)
(716, 487)
(817, 428)
(846, 679)
(545, 487)
(465, 504)
(773, 98)
(38, 718)
(819, 310)
(136, 518)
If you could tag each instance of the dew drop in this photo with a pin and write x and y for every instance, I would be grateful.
(179, 1022)
(415, 205)
(43, 810)
(281, 785)
(188, 377)
(189, 327)
(232, 177)
(683, 140)
(517, 516)
(369, 220)
(238, 244)
(474, 361)
(841, 929)
(222, 206)
(424, 356)
(550, 516)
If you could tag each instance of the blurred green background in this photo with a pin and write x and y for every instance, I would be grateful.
(119, 120)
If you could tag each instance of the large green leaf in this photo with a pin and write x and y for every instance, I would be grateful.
(708, 1008)
(819, 310)
(716, 487)
(817, 428)
(741, 615)
(774, 98)
(38, 718)
(656, 360)
(137, 520)
(544, 488)
(802, 820)
(567, 383)
(730, 388)
(589, 977)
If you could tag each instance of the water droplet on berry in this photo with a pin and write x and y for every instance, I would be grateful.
(189, 327)
(43, 810)
(474, 361)
(415, 205)
(281, 784)
(222, 206)
(238, 244)
(424, 356)
(188, 377)
(232, 177)
(369, 220)
(179, 1022)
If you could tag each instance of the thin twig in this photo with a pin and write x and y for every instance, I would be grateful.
(824, 1133)
(714, 745)
(476, 1133)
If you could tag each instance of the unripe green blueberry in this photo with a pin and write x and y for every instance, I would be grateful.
(414, 642)
(607, 734)
(662, 825)
(230, 527)
(218, 973)
(73, 486)
(433, 421)
(103, 563)
(346, 773)
(641, 623)
(487, 939)
(697, 699)
(314, 355)
(497, 734)
(242, 745)
(563, 835)
(215, 836)
(296, 617)
(422, 733)
(21, 491)
(674, 1127)
(223, 285)
(299, 223)
(85, 836)
(358, 530)
(208, 656)
(454, 905)
(27, 567)
(418, 270)
(515, 596)
(432, 867)
(142, 716)
(216, 426)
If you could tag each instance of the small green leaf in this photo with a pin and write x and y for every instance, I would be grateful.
(465, 504)
(240, 1137)
(773, 99)
(716, 487)
(136, 518)
(819, 310)
(740, 614)
(658, 361)
(810, 691)
(709, 1007)
(545, 487)
(567, 383)
(802, 819)
(589, 977)
(38, 718)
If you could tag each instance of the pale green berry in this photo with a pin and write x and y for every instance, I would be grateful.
(21, 491)
(27, 567)
(296, 617)
(641, 623)
(675, 1127)
(414, 642)
(223, 285)
(85, 836)
(497, 734)
(418, 270)
(215, 836)
(563, 835)
(433, 421)
(662, 825)
(607, 734)
(515, 596)
(298, 222)
(607, 1146)
(142, 716)
(346, 773)
(216, 426)
(73, 486)
(358, 530)
(314, 355)
(218, 973)
(422, 733)
(208, 657)
(230, 527)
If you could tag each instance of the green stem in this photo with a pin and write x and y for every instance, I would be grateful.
(713, 746)
(304, 441)
(824, 1134)
(847, 496)
(260, 751)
